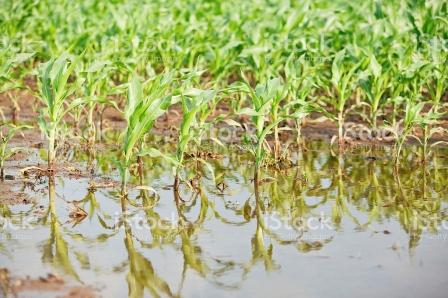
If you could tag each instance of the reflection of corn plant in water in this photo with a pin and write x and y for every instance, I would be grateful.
(162, 232)
(259, 249)
(416, 215)
(192, 253)
(142, 274)
(191, 258)
(340, 206)
(56, 250)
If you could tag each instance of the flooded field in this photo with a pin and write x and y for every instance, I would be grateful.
(197, 148)
(329, 225)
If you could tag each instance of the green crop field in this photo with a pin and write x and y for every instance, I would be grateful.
(115, 89)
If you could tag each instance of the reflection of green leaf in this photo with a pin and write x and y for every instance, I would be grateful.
(56, 250)
(259, 250)
(83, 259)
(90, 197)
(5, 212)
(141, 273)
(104, 224)
(191, 253)
(247, 210)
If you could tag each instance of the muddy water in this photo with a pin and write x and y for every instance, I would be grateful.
(346, 225)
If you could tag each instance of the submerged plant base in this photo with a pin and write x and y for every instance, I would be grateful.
(203, 154)
(283, 163)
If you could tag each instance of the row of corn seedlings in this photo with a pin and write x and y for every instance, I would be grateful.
(382, 63)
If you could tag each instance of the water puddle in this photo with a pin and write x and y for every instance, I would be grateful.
(331, 225)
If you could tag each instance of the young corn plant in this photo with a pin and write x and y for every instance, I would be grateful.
(413, 107)
(304, 105)
(264, 98)
(414, 114)
(398, 63)
(5, 151)
(437, 74)
(142, 109)
(94, 80)
(8, 62)
(272, 93)
(277, 91)
(374, 82)
(300, 85)
(195, 104)
(205, 112)
(437, 86)
(428, 124)
(54, 91)
(9, 81)
(412, 117)
(342, 81)
(437, 81)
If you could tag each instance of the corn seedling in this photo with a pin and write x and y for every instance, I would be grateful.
(277, 91)
(374, 83)
(7, 63)
(342, 81)
(143, 107)
(94, 79)
(300, 86)
(396, 87)
(194, 103)
(5, 137)
(9, 80)
(264, 98)
(54, 91)
(437, 79)
(413, 116)
(437, 87)
(270, 94)
(202, 123)
(413, 111)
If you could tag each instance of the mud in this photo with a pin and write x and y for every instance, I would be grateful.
(50, 285)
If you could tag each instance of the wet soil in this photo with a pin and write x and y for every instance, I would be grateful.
(50, 285)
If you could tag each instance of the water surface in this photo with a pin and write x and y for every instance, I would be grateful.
(330, 226)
